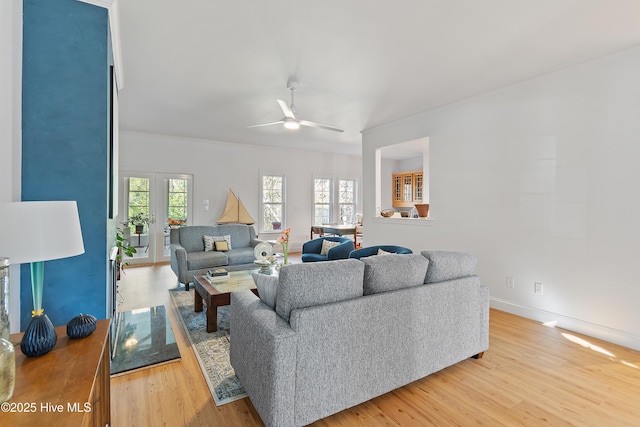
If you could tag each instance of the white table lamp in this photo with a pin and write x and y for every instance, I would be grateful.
(35, 232)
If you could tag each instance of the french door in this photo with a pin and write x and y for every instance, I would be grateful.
(161, 200)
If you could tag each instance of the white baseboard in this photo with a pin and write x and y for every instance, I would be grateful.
(604, 333)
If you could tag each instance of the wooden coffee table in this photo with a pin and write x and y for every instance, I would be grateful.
(218, 293)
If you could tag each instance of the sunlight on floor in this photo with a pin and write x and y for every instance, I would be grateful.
(584, 343)
(587, 344)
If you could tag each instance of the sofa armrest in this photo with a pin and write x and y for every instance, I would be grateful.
(254, 242)
(179, 261)
(263, 355)
(340, 251)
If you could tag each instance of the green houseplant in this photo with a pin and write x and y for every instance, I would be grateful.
(124, 248)
(138, 220)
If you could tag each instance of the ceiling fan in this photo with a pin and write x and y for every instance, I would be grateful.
(290, 121)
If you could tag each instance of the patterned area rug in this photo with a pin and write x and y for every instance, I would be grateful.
(211, 349)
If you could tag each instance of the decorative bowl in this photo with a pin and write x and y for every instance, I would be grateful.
(387, 213)
(81, 326)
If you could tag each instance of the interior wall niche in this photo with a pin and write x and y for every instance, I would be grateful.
(409, 156)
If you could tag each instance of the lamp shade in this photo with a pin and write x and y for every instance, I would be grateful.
(39, 231)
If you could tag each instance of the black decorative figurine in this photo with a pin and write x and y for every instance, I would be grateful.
(81, 326)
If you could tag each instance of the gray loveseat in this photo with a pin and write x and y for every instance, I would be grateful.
(343, 332)
(188, 255)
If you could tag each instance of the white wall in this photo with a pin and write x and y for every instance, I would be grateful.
(218, 166)
(540, 181)
(10, 124)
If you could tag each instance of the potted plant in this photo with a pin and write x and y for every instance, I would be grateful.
(124, 248)
(138, 220)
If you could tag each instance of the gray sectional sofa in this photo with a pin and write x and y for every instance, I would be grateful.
(343, 332)
(189, 257)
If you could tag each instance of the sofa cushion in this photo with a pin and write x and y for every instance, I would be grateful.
(202, 260)
(241, 256)
(209, 242)
(306, 285)
(310, 257)
(383, 252)
(239, 235)
(327, 245)
(190, 238)
(448, 265)
(221, 245)
(267, 288)
(390, 272)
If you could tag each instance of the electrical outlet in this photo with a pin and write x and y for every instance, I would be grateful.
(537, 288)
(510, 282)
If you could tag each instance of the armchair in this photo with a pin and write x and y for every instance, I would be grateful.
(311, 250)
(373, 250)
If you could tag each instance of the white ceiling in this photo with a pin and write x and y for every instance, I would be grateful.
(207, 69)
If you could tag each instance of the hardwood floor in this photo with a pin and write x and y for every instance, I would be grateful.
(531, 375)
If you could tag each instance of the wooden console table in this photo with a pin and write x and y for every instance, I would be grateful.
(337, 229)
(69, 386)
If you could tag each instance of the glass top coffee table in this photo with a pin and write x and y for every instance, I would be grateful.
(217, 293)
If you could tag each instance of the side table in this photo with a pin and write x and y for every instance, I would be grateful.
(69, 386)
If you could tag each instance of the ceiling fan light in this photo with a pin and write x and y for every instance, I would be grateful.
(291, 123)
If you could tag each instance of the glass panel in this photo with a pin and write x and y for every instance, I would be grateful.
(138, 199)
(177, 201)
(272, 202)
(322, 201)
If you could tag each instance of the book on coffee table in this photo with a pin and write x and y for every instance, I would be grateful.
(217, 272)
(214, 279)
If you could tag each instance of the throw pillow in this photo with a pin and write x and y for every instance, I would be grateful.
(226, 237)
(326, 245)
(267, 288)
(392, 272)
(383, 252)
(448, 265)
(315, 283)
(208, 243)
(222, 246)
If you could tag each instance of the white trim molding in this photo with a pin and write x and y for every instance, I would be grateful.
(114, 27)
(580, 326)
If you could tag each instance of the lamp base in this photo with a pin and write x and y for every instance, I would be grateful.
(39, 337)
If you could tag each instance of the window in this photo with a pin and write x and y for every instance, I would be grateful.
(138, 197)
(347, 200)
(177, 201)
(322, 201)
(334, 201)
(273, 203)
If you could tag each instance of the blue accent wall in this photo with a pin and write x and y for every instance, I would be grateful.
(65, 145)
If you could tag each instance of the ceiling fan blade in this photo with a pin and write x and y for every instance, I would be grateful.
(286, 109)
(320, 126)
(266, 124)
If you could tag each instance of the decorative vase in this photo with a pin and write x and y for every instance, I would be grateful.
(423, 210)
(39, 337)
(81, 326)
(139, 229)
(4, 298)
(7, 352)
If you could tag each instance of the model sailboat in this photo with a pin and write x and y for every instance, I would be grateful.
(235, 212)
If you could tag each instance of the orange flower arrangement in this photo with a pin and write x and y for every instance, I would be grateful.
(172, 221)
(284, 241)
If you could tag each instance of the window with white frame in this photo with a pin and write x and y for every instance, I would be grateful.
(138, 205)
(273, 206)
(347, 200)
(334, 201)
(322, 201)
(177, 201)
